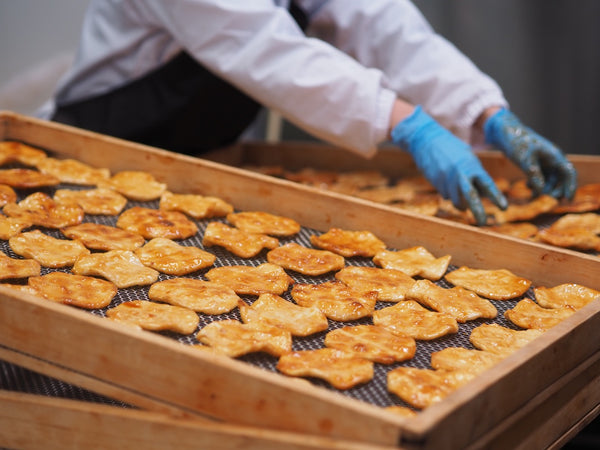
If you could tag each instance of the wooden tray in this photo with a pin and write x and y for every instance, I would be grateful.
(157, 373)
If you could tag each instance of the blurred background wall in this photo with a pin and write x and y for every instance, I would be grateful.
(544, 53)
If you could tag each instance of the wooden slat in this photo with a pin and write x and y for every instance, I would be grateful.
(33, 422)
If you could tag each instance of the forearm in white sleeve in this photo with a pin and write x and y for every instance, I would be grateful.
(420, 66)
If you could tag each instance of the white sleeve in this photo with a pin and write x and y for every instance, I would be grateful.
(259, 48)
(420, 66)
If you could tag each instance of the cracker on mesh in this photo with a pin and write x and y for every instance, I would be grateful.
(567, 294)
(122, 267)
(421, 388)
(198, 295)
(372, 342)
(7, 195)
(498, 284)
(336, 300)
(17, 268)
(387, 194)
(589, 221)
(575, 238)
(168, 256)
(152, 223)
(414, 261)
(586, 199)
(308, 261)
(348, 243)
(391, 285)
(40, 209)
(340, 369)
(27, 178)
(528, 314)
(527, 211)
(238, 242)
(409, 318)
(266, 278)
(274, 310)
(72, 171)
(460, 303)
(97, 201)
(264, 223)
(75, 290)
(97, 236)
(460, 358)
(501, 340)
(135, 185)
(194, 205)
(233, 338)
(47, 250)
(13, 151)
(523, 230)
(401, 411)
(155, 316)
(11, 226)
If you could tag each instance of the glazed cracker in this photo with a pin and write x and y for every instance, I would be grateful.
(372, 342)
(409, 318)
(76, 290)
(93, 201)
(233, 338)
(266, 278)
(122, 267)
(12, 151)
(500, 284)
(40, 209)
(414, 261)
(27, 178)
(48, 251)
(198, 295)
(348, 243)
(567, 294)
(152, 223)
(500, 340)
(238, 242)
(135, 185)
(424, 387)
(528, 314)
(264, 223)
(460, 358)
(72, 171)
(17, 268)
(460, 303)
(391, 285)
(308, 261)
(11, 226)
(335, 299)
(97, 236)
(7, 195)
(340, 369)
(196, 206)
(274, 310)
(155, 316)
(167, 256)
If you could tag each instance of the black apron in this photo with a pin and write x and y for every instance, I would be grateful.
(180, 106)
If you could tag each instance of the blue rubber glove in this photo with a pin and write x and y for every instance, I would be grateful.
(448, 163)
(547, 169)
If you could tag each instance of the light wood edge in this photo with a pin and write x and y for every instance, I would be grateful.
(32, 422)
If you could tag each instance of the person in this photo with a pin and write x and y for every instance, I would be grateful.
(191, 75)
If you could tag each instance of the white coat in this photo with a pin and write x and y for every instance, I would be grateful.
(338, 81)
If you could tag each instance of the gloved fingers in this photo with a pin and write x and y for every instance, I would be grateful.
(561, 176)
(469, 197)
(567, 175)
(486, 186)
(535, 176)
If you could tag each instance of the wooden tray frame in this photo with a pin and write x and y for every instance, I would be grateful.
(159, 374)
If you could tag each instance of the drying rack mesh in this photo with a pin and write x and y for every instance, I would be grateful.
(375, 392)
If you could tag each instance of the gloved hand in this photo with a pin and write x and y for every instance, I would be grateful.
(547, 169)
(448, 163)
